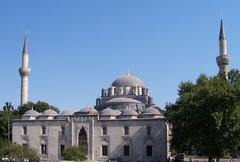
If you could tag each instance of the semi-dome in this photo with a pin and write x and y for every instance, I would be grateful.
(31, 113)
(110, 112)
(128, 81)
(122, 100)
(49, 112)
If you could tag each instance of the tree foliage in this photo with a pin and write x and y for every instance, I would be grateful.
(234, 76)
(40, 106)
(4, 123)
(18, 152)
(75, 153)
(206, 116)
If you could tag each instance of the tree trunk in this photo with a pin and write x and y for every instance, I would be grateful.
(217, 159)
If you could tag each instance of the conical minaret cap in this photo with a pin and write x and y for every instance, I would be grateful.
(25, 45)
(222, 34)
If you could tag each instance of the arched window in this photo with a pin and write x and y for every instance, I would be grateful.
(82, 139)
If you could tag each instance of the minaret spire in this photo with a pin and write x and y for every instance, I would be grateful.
(222, 34)
(25, 45)
(24, 72)
(223, 58)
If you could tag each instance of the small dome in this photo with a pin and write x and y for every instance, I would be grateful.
(122, 100)
(118, 112)
(66, 112)
(128, 81)
(151, 111)
(49, 112)
(87, 111)
(129, 112)
(31, 113)
(110, 112)
(159, 109)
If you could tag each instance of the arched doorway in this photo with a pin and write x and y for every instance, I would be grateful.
(82, 139)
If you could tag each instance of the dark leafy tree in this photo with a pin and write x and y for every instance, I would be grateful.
(28, 106)
(4, 123)
(234, 76)
(18, 152)
(75, 153)
(207, 116)
(39, 106)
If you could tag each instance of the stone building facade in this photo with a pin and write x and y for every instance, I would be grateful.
(124, 124)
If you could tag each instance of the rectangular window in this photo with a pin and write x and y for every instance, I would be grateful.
(43, 129)
(149, 131)
(104, 150)
(149, 150)
(62, 147)
(104, 130)
(126, 151)
(126, 130)
(24, 130)
(63, 130)
(43, 149)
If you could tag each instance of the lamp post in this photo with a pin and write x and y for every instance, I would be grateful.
(8, 107)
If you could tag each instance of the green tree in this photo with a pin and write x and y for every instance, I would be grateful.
(18, 152)
(3, 144)
(75, 153)
(206, 116)
(234, 76)
(4, 123)
(40, 106)
(27, 106)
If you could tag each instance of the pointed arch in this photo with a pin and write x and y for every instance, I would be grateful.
(82, 139)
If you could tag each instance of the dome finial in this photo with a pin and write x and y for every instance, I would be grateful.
(128, 74)
(88, 105)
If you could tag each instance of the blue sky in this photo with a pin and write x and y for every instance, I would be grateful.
(78, 47)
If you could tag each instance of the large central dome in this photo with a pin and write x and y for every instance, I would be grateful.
(128, 81)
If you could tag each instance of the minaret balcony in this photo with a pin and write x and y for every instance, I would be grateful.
(223, 60)
(24, 71)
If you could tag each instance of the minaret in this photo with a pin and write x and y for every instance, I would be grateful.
(24, 72)
(223, 58)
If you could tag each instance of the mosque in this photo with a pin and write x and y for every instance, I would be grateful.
(125, 124)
